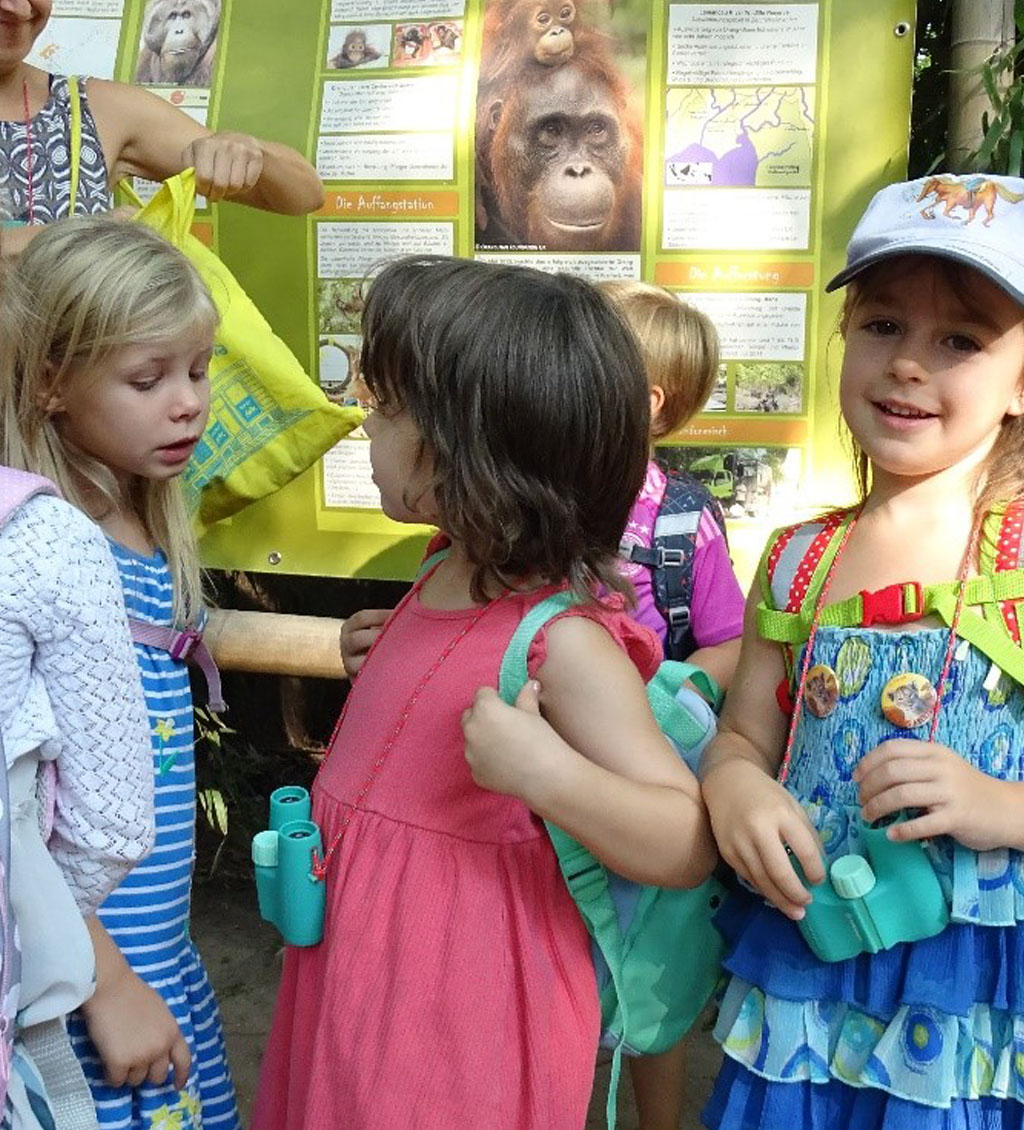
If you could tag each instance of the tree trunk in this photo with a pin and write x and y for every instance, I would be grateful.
(980, 28)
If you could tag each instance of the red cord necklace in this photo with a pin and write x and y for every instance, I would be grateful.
(320, 863)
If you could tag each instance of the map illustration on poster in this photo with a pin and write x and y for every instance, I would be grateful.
(720, 149)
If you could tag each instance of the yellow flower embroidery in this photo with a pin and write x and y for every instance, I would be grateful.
(164, 1118)
(164, 729)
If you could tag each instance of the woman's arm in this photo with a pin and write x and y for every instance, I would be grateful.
(602, 770)
(143, 135)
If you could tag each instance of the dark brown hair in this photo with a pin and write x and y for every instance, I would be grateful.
(1001, 475)
(530, 395)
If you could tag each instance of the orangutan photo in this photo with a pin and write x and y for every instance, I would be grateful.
(179, 42)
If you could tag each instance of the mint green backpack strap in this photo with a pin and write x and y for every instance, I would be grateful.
(428, 563)
(583, 874)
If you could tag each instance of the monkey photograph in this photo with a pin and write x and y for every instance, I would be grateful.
(446, 40)
(412, 45)
(340, 305)
(559, 132)
(179, 42)
(358, 47)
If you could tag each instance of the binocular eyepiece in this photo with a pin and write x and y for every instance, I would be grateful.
(290, 896)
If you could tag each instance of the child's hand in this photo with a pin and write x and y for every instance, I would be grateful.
(135, 1034)
(505, 745)
(754, 820)
(958, 800)
(357, 635)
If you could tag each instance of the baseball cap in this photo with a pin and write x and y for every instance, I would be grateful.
(974, 218)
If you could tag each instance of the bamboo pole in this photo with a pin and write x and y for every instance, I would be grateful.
(274, 643)
(980, 28)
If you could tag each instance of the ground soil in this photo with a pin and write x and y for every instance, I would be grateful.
(243, 957)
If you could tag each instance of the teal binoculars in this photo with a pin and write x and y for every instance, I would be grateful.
(290, 897)
(870, 904)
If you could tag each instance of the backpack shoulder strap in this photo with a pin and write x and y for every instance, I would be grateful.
(585, 877)
(1001, 551)
(17, 487)
(675, 544)
(792, 570)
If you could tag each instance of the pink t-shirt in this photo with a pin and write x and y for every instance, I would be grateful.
(717, 606)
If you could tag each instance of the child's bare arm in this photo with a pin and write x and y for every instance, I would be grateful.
(754, 818)
(134, 1032)
(602, 769)
(719, 660)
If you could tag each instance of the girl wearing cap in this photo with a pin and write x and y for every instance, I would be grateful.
(888, 634)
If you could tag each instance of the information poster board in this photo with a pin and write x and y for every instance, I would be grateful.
(721, 149)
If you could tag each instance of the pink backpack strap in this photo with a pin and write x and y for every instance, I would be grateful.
(17, 487)
(187, 646)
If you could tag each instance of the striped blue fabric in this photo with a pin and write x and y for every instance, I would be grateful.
(148, 914)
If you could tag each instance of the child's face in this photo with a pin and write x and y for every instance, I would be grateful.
(142, 410)
(926, 381)
(401, 470)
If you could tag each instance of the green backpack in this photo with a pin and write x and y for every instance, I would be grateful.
(657, 956)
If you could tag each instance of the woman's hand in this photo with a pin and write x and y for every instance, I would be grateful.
(755, 821)
(135, 1034)
(227, 164)
(358, 633)
(957, 800)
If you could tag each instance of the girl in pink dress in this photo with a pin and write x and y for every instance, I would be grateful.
(453, 988)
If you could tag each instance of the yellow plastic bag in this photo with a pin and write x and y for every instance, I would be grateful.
(268, 420)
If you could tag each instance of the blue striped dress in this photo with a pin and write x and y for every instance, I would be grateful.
(148, 914)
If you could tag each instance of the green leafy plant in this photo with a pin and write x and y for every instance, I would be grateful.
(1002, 145)
(233, 781)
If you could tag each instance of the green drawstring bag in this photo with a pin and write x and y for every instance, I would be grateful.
(268, 420)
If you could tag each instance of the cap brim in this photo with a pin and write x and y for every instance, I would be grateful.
(968, 257)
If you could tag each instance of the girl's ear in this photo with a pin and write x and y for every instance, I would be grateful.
(1016, 405)
(657, 401)
(50, 402)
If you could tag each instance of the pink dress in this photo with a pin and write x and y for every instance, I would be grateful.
(454, 988)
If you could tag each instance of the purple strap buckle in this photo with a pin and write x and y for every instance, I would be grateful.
(184, 645)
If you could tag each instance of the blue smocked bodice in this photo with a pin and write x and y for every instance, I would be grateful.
(980, 718)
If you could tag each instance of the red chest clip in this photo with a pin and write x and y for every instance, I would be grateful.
(890, 605)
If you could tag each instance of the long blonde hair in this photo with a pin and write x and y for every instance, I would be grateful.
(82, 289)
(678, 345)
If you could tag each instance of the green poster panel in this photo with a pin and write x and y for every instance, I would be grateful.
(748, 137)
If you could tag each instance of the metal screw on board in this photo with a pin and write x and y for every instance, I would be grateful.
(273, 557)
(901, 29)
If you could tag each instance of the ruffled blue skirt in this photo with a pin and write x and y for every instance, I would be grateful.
(925, 1036)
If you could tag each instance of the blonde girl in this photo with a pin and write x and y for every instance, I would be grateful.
(109, 398)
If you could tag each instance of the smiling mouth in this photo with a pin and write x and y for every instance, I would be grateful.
(903, 411)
